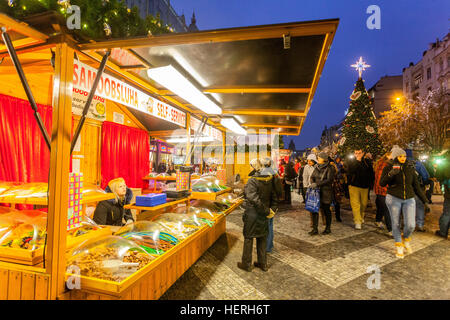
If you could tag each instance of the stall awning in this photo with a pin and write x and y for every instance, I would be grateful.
(265, 75)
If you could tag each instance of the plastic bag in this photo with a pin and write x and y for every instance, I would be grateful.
(312, 200)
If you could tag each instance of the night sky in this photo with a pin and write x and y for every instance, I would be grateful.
(407, 27)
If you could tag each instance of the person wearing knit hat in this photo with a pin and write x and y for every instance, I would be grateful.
(402, 185)
(397, 152)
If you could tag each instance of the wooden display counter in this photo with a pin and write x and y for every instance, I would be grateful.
(34, 257)
(211, 196)
(152, 281)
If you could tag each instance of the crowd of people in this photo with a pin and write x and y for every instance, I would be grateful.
(402, 185)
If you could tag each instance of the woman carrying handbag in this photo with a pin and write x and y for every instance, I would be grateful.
(322, 178)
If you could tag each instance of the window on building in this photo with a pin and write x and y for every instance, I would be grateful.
(417, 81)
(441, 65)
(429, 73)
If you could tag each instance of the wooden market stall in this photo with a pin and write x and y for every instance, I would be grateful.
(242, 68)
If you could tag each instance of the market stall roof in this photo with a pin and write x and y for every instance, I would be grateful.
(265, 75)
(21, 33)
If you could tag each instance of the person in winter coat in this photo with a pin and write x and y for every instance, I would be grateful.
(360, 177)
(309, 168)
(402, 182)
(112, 212)
(443, 176)
(301, 189)
(322, 178)
(267, 170)
(259, 194)
(338, 191)
(380, 192)
(289, 179)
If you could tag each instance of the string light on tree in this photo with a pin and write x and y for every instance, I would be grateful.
(360, 66)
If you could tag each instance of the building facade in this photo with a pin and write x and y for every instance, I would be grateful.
(330, 136)
(165, 11)
(385, 92)
(431, 72)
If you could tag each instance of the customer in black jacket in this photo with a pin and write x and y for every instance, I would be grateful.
(401, 178)
(322, 178)
(360, 177)
(112, 212)
(259, 193)
(289, 179)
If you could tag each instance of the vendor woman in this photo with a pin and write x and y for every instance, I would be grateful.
(112, 212)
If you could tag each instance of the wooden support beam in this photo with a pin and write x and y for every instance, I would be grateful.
(322, 58)
(20, 43)
(161, 133)
(22, 28)
(267, 89)
(266, 112)
(130, 115)
(59, 170)
(295, 29)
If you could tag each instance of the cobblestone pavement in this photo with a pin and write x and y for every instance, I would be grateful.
(331, 266)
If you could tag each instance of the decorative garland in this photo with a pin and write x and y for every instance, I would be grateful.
(100, 19)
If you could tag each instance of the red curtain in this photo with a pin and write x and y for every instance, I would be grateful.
(125, 153)
(24, 155)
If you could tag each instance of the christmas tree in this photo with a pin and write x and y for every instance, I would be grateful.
(360, 130)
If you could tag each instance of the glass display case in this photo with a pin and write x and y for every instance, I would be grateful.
(109, 258)
(179, 225)
(25, 190)
(207, 183)
(152, 237)
(22, 232)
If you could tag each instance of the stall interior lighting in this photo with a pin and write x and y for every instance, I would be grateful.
(174, 81)
(232, 125)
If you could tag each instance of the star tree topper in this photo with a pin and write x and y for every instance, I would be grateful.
(360, 66)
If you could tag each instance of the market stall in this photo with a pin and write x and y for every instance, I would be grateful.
(141, 260)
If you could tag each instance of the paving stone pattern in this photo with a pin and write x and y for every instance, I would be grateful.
(332, 266)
